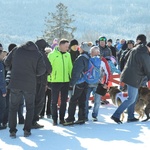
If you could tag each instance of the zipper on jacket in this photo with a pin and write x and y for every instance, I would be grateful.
(63, 68)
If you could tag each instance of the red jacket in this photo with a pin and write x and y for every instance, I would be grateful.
(107, 67)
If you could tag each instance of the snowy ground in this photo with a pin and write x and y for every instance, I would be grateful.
(90, 136)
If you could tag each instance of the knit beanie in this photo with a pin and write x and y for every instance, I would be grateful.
(142, 38)
(11, 47)
(73, 42)
(110, 40)
(86, 46)
(148, 44)
(130, 42)
(1, 47)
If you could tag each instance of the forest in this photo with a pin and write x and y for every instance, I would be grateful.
(25, 20)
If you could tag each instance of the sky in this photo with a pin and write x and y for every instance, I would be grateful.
(104, 134)
(24, 20)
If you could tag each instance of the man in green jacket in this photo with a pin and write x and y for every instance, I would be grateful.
(60, 77)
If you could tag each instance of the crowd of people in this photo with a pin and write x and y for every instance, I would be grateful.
(38, 74)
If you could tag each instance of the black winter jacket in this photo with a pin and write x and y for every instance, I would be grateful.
(137, 66)
(105, 51)
(79, 67)
(74, 55)
(2, 79)
(27, 63)
(42, 44)
(43, 79)
(124, 58)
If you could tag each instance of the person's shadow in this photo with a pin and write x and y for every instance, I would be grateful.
(52, 138)
(75, 137)
(107, 130)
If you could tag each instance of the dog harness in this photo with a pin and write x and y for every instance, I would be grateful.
(121, 96)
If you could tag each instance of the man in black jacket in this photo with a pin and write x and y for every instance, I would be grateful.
(79, 89)
(104, 49)
(73, 50)
(8, 77)
(2, 91)
(27, 63)
(135, 70)
(74, 53)
(41, 85)
(113, 49)
(125, 54)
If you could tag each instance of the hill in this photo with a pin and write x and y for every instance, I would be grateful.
(24, 20)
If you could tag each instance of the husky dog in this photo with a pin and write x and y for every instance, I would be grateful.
(117, 98)
(144, 97)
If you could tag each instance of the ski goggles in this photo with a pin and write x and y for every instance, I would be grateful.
(102, 39)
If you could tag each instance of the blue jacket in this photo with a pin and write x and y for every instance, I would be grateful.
(113, 67)
(2, 78)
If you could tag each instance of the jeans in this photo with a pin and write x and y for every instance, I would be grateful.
(2, 107)
(97, 101)
(128, 104)
(57, 88)
(14, 102)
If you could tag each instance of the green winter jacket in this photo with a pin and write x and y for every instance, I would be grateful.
(61, 66)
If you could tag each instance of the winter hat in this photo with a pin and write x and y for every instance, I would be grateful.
(86, 46)
(102, 38)
(148, 44)
(130, 42)
(73, 42)
(55, 41)
(110, 40)
(11, 46)
(142, 38)
(42, 44)
(1, 47)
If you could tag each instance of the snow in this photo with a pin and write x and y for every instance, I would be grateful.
(104, 134)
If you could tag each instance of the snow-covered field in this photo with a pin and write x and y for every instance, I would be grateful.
(104, 134)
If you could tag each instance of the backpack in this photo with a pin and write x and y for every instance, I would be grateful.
(92, 75)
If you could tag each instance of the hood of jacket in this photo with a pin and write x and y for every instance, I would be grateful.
(29, 46)
(42, 44)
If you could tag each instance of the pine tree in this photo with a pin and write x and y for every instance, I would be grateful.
(58, 25)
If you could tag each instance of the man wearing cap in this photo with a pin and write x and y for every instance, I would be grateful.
(73, 50)
(74, 53)
(113, 50)
(1, 47)
(135, 70)
(104, 50)
(125, 54)
(79, 87)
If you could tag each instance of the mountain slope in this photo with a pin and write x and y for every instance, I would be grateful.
(24, 20)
